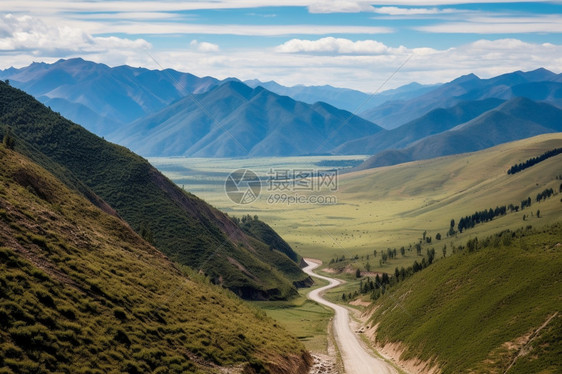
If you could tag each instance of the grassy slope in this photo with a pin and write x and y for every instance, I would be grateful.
(303, 318)
(183, 226)
(393, 206)
(466, 311)
(81, 292)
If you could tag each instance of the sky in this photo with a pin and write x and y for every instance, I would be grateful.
(365, 45)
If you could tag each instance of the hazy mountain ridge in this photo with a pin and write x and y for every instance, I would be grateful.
(167, 113)
(117, 95)
(516, 119)
(181, 225)
(344, 98)
(236, 120)
(434, 122)
(540, 84)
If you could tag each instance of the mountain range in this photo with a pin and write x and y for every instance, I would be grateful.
(344, 98)
(434, 122)
(539, 85)
(121, 183)
(234, 120)
(102, 98)
(518, 118)
(168, 113)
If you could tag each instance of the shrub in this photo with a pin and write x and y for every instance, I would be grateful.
(120, 314)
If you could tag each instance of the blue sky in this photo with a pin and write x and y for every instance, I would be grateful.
(345, 43)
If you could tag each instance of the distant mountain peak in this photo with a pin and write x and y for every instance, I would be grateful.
(466, 78)
(237, 87)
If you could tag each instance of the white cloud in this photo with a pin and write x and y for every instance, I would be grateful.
(204, 46)
(314, 6)
(26, 33)
(363, 71)
(156, 28)
(340, 6)
(396, 11)
(499, 25)
(365, 64)
(356, 6)
(337, 46)
(139, 16)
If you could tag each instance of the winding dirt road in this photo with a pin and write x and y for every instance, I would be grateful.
(356, 359)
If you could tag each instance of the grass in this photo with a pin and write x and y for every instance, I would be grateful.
(303, 318)
(81, 292)
(471, 312)
(389, 207)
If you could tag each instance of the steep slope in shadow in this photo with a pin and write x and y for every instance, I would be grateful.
(181, 225)
(81, 291)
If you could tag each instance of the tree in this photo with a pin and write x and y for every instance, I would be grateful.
(444, 251)
(146, 233)
(375, 253)
(452, 228)
(368, 266)
(9, 141)
(472, 245)
(438, 236)
(418, 249)
(538, 213)
(378, 281)
(357, 273)
(402, 251)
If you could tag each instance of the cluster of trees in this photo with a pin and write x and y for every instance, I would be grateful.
(545, 194)
(488, 215)
(390, 254)
(245, 219)
(479, 217)
(533, 161)
(378, 285)
(526, 203)
(343, 258)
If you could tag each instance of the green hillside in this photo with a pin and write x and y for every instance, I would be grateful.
(181, 225)
(80, 292)
(495, 309)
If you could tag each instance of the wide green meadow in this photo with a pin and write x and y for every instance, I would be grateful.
(387, 207)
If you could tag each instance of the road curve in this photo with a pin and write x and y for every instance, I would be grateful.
(356, 359)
